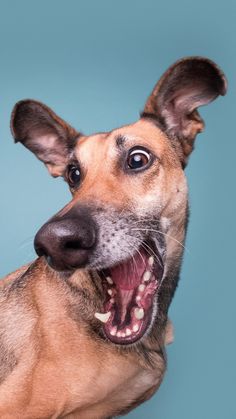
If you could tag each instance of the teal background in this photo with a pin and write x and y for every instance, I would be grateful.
(94, 63)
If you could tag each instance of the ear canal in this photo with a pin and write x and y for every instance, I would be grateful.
(186, 85)
(39, 129)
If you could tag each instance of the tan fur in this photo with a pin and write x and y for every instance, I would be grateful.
(54, 360)
(165, 179)
(61, 370)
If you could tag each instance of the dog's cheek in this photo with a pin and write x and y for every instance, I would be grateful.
(173, 194)
(177, 195)
(150, 200)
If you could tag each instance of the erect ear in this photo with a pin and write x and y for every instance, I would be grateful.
(39, 129)
(187, 84)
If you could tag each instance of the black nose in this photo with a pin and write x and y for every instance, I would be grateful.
(67, 243)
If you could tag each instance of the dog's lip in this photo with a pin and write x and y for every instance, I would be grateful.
(130, 301)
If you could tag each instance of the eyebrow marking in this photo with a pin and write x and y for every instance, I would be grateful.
(120, 140)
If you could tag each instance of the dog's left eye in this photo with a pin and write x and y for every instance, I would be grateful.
(73, 175)
(138, 159)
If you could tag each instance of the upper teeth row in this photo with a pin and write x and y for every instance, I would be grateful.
(146, 276)
(151, 260)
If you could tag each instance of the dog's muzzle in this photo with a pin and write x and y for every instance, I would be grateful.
(67, 242)
(126, 257)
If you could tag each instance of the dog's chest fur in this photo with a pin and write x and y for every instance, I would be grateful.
(53, 360)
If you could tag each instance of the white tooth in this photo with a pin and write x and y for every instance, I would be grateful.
(147, 276)
(109, 292)
(141, 287)
(135, 328)
(118, 334)
(113, 331)
(128, 332)
(151, 260)
(123, 335)
(138, 298)
(109, 280)
(103, 317)
(139, 313)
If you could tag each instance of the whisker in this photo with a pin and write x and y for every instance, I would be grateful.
(143, 220)
(160, 232)
(133, 261)
(148, 248)
(140, 254)
(26, 242)
(21, 247)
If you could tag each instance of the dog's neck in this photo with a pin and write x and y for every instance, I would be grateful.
(58, 325)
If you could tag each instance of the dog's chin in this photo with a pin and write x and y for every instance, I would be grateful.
(131, 289)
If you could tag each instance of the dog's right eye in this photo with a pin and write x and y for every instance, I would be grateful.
(73, 175)
(138, 159)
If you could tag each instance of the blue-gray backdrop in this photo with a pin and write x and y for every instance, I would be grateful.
(95, 62)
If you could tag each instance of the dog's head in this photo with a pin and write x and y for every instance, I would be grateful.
(127, 218)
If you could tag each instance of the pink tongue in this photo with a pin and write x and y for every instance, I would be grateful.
(128, 274)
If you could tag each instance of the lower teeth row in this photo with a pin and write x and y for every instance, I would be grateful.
(125, 332)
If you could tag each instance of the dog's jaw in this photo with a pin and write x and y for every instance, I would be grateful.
(130, 296)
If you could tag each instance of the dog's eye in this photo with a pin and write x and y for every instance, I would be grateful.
(138, 159)
(73, 175)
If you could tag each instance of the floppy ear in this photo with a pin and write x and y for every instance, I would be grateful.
(186, 85)
(39, 129)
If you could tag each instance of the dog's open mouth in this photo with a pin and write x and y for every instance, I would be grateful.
(130, 289)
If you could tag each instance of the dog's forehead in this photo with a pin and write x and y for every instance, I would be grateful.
(106, 145)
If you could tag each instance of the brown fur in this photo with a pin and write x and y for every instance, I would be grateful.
(54, 356)
(57, 359)
(54, 359)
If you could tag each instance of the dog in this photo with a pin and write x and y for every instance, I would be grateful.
(84, 327)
